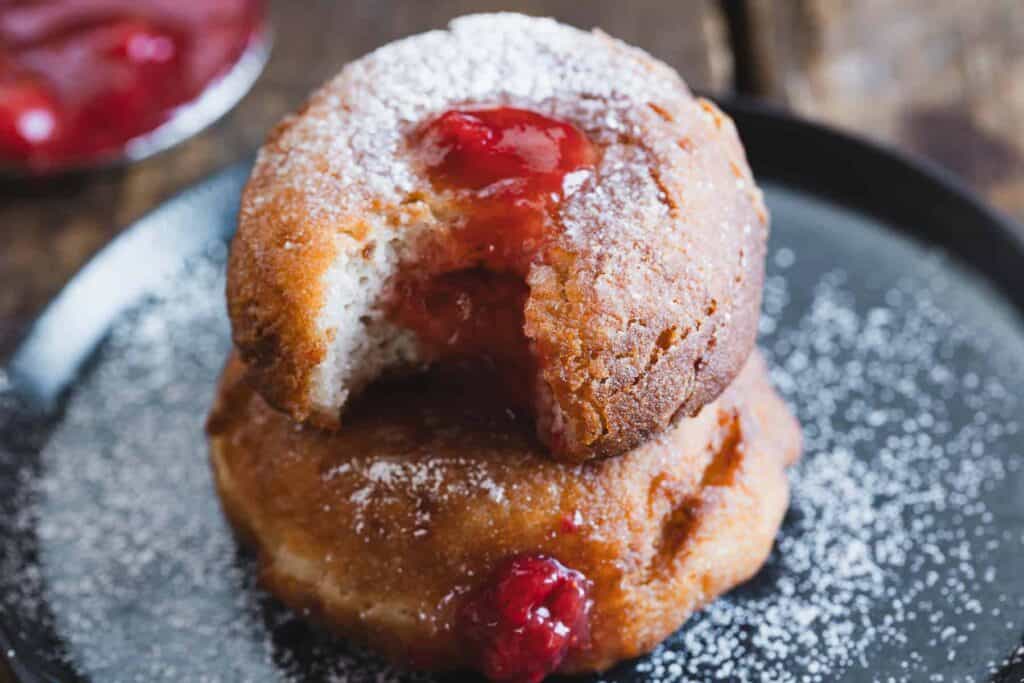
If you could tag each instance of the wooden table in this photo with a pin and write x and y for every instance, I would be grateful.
(940, 77)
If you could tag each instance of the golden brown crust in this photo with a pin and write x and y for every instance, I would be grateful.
(641, 310)
(273, 293)
(634, 343)
(380, 527)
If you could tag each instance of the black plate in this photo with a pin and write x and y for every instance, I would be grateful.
(893, 324)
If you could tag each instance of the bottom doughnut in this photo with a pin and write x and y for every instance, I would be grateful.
(433, 529)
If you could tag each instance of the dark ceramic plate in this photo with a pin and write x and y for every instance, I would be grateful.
(893, 325)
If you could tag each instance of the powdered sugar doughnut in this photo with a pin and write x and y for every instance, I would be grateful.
(433, 528)
(606, 255)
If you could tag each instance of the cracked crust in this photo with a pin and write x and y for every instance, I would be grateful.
(380, 527)
(642, 308)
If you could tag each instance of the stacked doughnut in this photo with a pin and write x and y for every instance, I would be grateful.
(495, 402)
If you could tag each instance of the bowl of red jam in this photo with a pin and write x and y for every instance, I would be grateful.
(90, 83)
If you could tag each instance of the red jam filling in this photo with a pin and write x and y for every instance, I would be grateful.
(81, 78)
(508, 167)
(474, 316)
(527, 618)
(508, 171)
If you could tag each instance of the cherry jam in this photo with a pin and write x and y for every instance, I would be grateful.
(509, 168)
(506, 170)
(473, 315)
(79, 79)
(525, 620)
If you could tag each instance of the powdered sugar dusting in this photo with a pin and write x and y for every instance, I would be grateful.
(421, 477)
(899, 558)
(400, 478)
(357, 124)
(348, 152)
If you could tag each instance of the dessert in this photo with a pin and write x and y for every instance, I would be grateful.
(495, 402)
(514, 192)
(433, 527)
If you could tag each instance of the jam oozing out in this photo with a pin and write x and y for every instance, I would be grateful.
(473, 315)
(81, 78)
(525, 620)
(509, 169)
(506, 170)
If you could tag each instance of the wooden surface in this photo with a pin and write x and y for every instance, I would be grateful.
(943, 78)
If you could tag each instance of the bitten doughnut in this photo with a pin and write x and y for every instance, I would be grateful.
(435, 529)
(548, 202)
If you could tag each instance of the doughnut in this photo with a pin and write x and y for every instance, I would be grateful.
(547, 203)
(433, 527)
